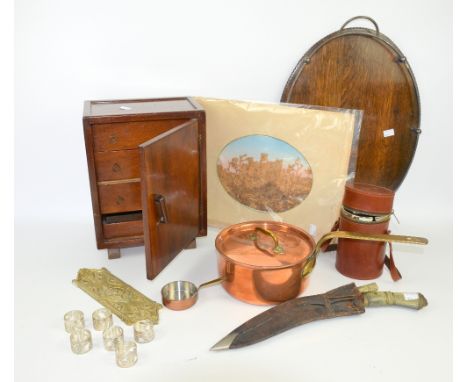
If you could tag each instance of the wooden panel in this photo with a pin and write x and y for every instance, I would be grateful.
(128, 135)
(170, 170)
(116, 226)
(89, 143)
(122, 242)
(117, 165)
(117, 197)
(357, 68)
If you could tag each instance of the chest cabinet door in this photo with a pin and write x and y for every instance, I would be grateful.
(170, 189)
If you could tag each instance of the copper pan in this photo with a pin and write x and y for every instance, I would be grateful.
(181, 295)
(267, 262)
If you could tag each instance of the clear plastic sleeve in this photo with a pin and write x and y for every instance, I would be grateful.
(279, 162)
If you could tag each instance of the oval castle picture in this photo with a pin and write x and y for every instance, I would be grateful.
(264, 173)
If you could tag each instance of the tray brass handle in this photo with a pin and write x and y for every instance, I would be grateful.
(310, 263)
(160, 202)
(277, 249)
(362, 17)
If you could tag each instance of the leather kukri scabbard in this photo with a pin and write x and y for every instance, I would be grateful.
(346, 300)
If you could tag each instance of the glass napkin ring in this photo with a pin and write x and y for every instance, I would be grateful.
(102, 319)
(126, 353)
(81, 341)
(143, 331)
(111, 336)
(73, 319)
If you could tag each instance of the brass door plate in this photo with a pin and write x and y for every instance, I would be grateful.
(120, 298)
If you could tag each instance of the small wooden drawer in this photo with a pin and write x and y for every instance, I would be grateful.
(123, 225)
(128, 135)
(118, 196)
(117, 165)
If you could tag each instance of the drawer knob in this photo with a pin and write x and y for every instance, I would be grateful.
(116, 167)
(120, 200)
(113, 139)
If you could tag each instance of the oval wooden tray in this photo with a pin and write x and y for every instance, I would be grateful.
(360, 68)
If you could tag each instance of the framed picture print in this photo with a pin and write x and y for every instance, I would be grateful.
(279, 162)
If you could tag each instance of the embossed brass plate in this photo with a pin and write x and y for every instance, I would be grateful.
(120, 298)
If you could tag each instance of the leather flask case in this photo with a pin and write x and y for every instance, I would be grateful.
(366, 209)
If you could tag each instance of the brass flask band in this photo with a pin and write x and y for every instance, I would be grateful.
(362, 218)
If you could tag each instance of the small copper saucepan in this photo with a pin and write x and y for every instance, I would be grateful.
(181, 295)
(265, 262)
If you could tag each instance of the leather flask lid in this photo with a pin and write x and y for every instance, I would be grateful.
(368, 198)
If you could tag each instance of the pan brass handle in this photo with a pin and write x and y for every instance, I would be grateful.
(310, 262)
(277, 249)
(211, 282)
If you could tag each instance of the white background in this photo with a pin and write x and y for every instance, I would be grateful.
(67, 52)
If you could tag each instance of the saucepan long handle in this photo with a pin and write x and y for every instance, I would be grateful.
(211, 282)
(310, 263)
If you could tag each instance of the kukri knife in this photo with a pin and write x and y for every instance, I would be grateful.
(343, 301)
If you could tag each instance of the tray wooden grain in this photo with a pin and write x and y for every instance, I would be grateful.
(360, 68)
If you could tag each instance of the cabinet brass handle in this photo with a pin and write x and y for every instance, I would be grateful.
(160, 202)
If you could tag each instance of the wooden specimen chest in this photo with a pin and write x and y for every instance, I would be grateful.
(147, 172)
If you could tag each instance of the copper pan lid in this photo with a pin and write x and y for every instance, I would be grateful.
(264, 244)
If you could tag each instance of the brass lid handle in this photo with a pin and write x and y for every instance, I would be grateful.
(277, 249)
